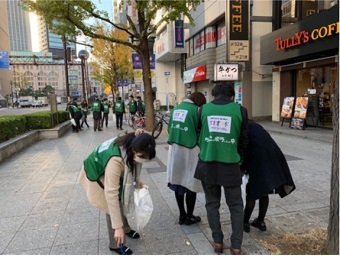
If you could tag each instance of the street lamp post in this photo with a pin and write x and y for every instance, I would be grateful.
(83, 55)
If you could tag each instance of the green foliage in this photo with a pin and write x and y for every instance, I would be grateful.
(12, 126)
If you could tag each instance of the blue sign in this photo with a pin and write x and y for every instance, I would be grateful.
(167, 73)
(179, 34)
(137, 61)
(4, 59)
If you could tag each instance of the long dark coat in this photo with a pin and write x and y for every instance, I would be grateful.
(266, 165)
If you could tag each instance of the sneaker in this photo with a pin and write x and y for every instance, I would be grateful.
(259, 224)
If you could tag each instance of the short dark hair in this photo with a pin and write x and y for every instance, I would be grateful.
(197, 98)
(119, 98)
(131, 96)
(223, 88)
(139, 97)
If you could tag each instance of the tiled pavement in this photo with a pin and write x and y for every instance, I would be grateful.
(44, 211)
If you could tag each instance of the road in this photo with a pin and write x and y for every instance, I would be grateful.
(20, 111)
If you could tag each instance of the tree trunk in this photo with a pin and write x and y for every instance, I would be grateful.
(149, 109)
(333, 223)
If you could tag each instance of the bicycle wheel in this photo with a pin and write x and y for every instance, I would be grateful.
(138, 123)
(157, 130)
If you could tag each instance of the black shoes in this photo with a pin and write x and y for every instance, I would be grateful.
(192, 220)
(181, 220)
(259, 224)
(246, 227)
(123, 250)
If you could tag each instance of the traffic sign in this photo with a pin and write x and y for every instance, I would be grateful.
(167, 73)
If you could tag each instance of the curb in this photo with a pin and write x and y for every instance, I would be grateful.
(15, 145)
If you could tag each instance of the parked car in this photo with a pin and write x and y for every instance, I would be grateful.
(37, 103)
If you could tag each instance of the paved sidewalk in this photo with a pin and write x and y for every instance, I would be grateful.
(44, 211)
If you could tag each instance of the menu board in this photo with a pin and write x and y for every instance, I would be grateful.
(300, 110)
(300, 113)
(287, 107)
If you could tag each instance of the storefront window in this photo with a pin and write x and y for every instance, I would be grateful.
(294, 10)
(319, 85)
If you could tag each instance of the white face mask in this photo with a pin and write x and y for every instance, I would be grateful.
(139, 160)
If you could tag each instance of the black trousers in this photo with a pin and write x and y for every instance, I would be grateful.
(106, 118)
(119, 119)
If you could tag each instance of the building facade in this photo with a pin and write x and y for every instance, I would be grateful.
(50, 72)
(303, 53)
(5, 73)
(51, 42)
(19, 27)
(267, 75)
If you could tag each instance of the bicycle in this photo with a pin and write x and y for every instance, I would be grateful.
(138, 122)
(164, 118)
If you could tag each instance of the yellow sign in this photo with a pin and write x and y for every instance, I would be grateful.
(138, 74)
(107, 90)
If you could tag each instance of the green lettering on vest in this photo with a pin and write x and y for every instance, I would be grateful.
(221, 126)
(182, 125)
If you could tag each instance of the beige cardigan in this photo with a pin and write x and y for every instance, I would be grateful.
(107, 200)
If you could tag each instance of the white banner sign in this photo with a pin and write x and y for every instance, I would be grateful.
(226, 72)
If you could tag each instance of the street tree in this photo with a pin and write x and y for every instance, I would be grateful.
(332, 247)
(68, 17)
(111, 61)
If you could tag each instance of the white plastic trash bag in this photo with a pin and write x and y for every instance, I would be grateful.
(143, 207)
(245, 179)
(73, 122)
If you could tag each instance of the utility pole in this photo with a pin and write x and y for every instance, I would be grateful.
(66, 70)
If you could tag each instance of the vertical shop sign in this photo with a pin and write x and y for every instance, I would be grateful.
(238, 92)
(179, 34)
(238, 30)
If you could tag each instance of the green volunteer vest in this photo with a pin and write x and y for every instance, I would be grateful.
(132, 106)
(96, 162)
(74, 108)
(96, 106)
(221, 127)
(182, 125)
(106, 108)
(119, 106)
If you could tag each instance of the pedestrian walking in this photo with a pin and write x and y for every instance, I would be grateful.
(183, 156)
(84, 111)
(268, 173)
(119, 110)
(140, 106)
(97, 109)
(132, 105)
(106, 111)
(223, 140)
(109, 176)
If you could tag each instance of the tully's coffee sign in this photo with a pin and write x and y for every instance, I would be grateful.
(316, 34)
(304, 37)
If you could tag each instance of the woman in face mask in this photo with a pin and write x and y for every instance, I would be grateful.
(110, 174)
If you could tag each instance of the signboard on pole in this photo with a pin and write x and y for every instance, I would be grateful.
(4, 59)
(179, 34)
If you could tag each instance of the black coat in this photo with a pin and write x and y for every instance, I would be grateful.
(266, 165)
